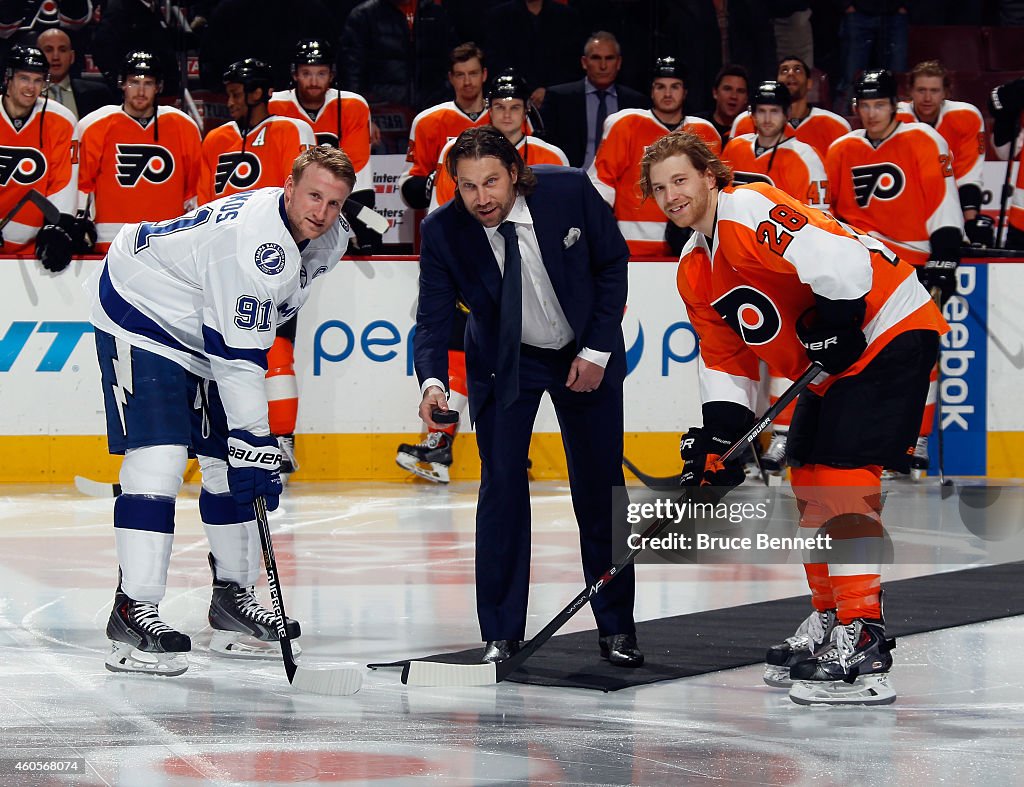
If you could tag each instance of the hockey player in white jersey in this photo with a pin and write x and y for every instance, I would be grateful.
(185, 311)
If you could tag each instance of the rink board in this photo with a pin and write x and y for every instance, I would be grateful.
(359, 394)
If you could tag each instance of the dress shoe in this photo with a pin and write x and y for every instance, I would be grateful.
(499, 650)
(621, 650)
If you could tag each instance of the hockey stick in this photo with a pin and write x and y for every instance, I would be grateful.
(652, 481)
(51, 215)
(1007, 192)
(368, 216)
(432, 673)
(337, 681)
(91, 488)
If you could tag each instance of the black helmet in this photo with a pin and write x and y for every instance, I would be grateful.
(312, 52)
(26, 58)
(251, 74)
(140, 63)
(771, 92)
(669, 68)
(876, 84)
(508, 84)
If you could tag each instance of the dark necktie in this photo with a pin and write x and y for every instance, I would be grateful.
(602, 114)
(510, 325)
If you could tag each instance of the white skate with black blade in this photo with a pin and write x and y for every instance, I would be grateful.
(810, 639)
(242, 627)
(142, 642)
(854, 671)
(429, 459)
(774, 459)
(919, 460)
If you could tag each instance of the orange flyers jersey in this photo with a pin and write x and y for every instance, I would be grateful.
(133, 172)
(819, 129)
(269, 151)
(431, 130)
(963, 128)
(532, 149)
(769, 257)
(343, 121)
(792, 166)
(41, 155)
(900, 192)
(616, 174)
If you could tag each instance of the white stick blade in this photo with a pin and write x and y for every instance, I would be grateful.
(373, 220)
(333, 682)
(432, 673)
(91, 488)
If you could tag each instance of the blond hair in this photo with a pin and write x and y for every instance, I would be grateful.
(334, 160)
(682, 143)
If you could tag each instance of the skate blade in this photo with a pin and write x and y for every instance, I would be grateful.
(777, 677)
(125, 658)
(235, 645)
(866, 690)
(432, 471)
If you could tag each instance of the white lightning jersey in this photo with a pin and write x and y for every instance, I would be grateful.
(209, 289)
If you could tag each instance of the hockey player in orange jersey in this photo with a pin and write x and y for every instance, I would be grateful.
(339, 118)
(963, 128)
(779, 159)
(38, 151)
(137, 161)
(818, 127)
(764, 277)
(435, 126)
(616, 167)
(896, 181)
(508, 102)
(254, 150)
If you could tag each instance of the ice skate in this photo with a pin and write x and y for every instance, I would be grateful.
(429, 459)
(774, 459)
(854, 671)
(811, 637)
(289, 464)
(242, 627)
(142, 642)
(919, 460)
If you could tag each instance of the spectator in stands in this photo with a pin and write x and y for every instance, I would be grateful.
(791, 20)
(21, 21)
(871, 33)
(730, 93)
(136, 25)
(752, 37)
(575, 112)
(80, 96)
(538, 38)
(396, 52)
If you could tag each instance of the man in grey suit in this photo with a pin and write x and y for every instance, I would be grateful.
(574, 112)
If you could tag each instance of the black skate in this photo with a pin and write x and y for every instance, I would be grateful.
(854, 671)
(429, 459)
(289, 464)
(774, 459)
(142, 642)
(810, 639)
(242, 627)
(919, 460)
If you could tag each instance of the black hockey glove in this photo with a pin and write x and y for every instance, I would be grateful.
(83, 234)
(254, 468)
(1007, 99)
(831, 333)
(941, 275)
(980, 231)
(701, 450)
(417, 190)
(54, 245)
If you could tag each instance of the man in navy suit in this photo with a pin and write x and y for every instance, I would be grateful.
(537, 257)
(574, 112)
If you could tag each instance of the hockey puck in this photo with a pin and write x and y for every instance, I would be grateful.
(445, 416)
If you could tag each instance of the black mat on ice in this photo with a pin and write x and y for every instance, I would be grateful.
(685, 645)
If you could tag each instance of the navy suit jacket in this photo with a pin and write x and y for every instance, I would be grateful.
(565, 115)
(456, 261)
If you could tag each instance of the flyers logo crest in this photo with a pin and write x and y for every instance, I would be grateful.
(238, 169)
(135, 162)
(884, 181)
(327, 138)
(21, 166)
(750, 313)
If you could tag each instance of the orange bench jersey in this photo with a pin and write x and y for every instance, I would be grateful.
(532, 149)
(768, 259)
(349, 130)
(133, 172)
(431, 130)
(900, 192)
(963, 128)
(41, 155)
(819, 129)
(792, 166)
(616, 174)
(270, 149)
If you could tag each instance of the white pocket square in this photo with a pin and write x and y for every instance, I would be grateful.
(571, 237)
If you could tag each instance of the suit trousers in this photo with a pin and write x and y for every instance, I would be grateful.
(591, 426)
